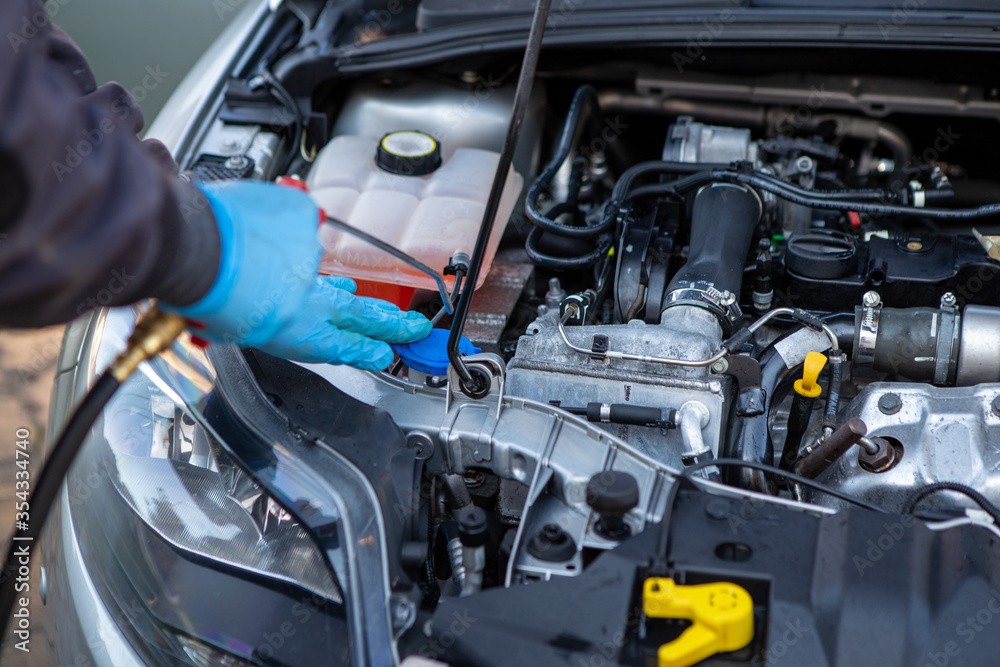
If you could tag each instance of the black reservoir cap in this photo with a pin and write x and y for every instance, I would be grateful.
(821, 255)
(408, 153)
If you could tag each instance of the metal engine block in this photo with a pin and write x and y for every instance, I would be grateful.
(946, 433)
(545, 369)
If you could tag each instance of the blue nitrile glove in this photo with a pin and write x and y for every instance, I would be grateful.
(267, 294)
(352, 327)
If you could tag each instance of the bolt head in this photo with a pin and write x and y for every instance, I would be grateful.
(236, 162)
(889, 403)
(718, 508)
(948, 300)
(871, 299)
(881, 460)
(720, 366)
(995, 405)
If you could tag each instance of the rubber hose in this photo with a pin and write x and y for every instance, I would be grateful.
(584, 99)
(49, 483)
(723, 221)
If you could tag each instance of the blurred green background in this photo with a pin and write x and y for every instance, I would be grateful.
(123, 37)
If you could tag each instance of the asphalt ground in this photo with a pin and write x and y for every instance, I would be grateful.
(27, 368)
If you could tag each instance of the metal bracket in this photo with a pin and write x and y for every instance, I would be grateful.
(749, 394)
(493, 364)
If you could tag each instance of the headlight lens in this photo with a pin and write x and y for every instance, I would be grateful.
(156, 504)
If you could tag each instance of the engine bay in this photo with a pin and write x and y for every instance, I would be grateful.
(796, 270)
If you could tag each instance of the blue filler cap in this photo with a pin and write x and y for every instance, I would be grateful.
(430, 355)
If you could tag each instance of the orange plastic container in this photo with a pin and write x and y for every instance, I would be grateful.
(432, 217)
(401, 295)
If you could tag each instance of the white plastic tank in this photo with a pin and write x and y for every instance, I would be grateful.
(432, 216)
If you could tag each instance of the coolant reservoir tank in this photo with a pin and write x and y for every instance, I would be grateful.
(400, 189)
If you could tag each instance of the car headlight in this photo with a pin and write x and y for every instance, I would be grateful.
(197, 564)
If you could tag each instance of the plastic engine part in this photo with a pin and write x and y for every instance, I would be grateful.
(430, 355)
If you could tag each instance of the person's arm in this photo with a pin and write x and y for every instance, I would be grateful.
(91, 217)
(87, 217)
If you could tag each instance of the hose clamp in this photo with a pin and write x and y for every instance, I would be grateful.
(723, 304)
(946, 351)
(868, 330)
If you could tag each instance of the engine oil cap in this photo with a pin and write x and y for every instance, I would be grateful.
(821, 255)
(430, 355)
(408, 153)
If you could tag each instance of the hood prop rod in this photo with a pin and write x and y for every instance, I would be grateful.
(472, 384)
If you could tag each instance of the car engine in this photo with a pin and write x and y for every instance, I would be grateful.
(797, 272)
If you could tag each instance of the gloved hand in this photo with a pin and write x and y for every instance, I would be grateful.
(267, 294)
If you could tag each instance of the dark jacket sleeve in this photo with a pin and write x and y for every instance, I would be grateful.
(89, 215)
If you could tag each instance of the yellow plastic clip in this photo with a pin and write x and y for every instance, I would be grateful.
(722, 616)
(808, 386)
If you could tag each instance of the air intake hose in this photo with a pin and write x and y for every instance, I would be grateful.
(723, 220)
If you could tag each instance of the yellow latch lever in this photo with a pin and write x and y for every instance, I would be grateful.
(721, 615)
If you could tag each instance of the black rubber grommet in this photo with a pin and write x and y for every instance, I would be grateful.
(479, 387)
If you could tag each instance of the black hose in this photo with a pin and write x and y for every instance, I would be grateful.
(283, 96)
(456, 491)
(701, 174)
(861, 201)
(914, 498)
(47, 487)
(843, 194)
(583, 100)
(842, 325)
(748, 438)
(656, 167)
(723, 220)
(808, 198)
(798, 423)
(431, 588)
(898, 143)
(470, 383)
(554, 262)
